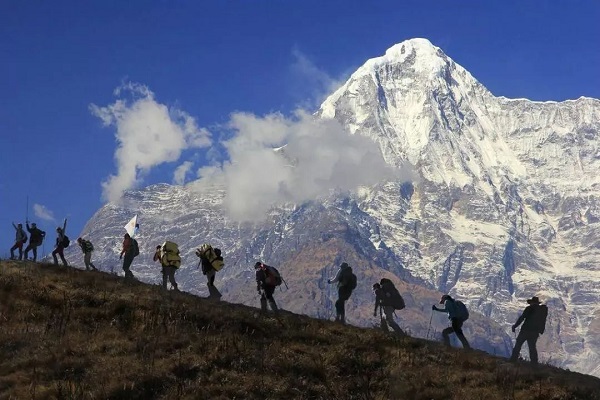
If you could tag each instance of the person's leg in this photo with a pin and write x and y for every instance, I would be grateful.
(12, 251)
(457, 327)
(54, 253)
(344, 295)
(27, 251)
(446, 335)
(87, 260)
(518, 344)
(263, 301)
(531, 343)
(34, 249)
(389, 317)
(164, 278)
(269, 290)
(60, 251)
(171, 274)
(20, 250)
(126, 265)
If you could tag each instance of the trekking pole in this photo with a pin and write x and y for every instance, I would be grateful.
(428, 328)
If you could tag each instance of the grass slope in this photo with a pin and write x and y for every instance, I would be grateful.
(72, 334)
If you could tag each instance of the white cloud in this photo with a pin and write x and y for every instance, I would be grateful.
(315, 157)
(181, 172)
(43, 212)
(315, 79)
(148, 134)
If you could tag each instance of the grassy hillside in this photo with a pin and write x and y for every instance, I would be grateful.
(72, 334)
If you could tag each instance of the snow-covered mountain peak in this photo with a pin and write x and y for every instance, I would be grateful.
(505, 206)
(417, 53)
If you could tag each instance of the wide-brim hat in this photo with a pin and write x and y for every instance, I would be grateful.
(533, 300)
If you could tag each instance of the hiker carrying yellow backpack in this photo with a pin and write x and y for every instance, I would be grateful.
(211, 262)
(168, 255)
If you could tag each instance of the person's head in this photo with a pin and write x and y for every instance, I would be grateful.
(257, 265)
(158, 247)
(446, 297)
(534, 300)
(33, 225)
(126, 236)
(218, 252)
(59, 229)
(344, 265)
(376, 286)
(79, 240)
(20, 225)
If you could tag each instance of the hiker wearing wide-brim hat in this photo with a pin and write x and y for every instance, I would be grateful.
(534, 317)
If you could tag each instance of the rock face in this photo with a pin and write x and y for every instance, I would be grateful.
(506, 206)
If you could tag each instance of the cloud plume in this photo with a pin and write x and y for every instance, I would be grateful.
(148, 134)
(274, 160)
(181, 172)
(42, 212)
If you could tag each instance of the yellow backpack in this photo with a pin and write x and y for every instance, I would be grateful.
(212, 255)
(170, 255)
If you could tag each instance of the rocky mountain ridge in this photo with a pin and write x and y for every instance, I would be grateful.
(505, 207)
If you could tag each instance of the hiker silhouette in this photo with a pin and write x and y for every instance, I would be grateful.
(346, 281)
(457, 314)
(62, 241)
(36, 237)
(87, 248)
(534, 322)
(387, 299)
(20, 239)
(266, 282)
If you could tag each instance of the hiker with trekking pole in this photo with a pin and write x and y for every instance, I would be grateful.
(267, 279)
(457, 314)
(388, 300)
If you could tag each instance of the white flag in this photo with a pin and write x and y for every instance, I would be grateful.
(131, 226)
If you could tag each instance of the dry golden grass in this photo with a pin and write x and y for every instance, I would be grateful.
(71, 334)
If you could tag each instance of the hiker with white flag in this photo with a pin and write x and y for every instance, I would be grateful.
(132, 227)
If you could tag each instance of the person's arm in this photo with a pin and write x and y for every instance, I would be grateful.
(65, 227)
(521, 318)
(377, 303)
(14, 226)
(27, 226)
(445, 309)
(125, 248)
(336, 278)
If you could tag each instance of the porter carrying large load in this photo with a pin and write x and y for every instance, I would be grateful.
(169, 255)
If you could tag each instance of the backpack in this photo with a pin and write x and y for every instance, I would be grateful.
(88, 246)
(66, 241)
(272, 275)
(348, 279)
(461, 310)
(24, 237)
(539, 318)
(170, 255)
(136, 248)
(391, 296)
(207, 251)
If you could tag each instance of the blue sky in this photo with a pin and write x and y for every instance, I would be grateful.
(61, 61)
